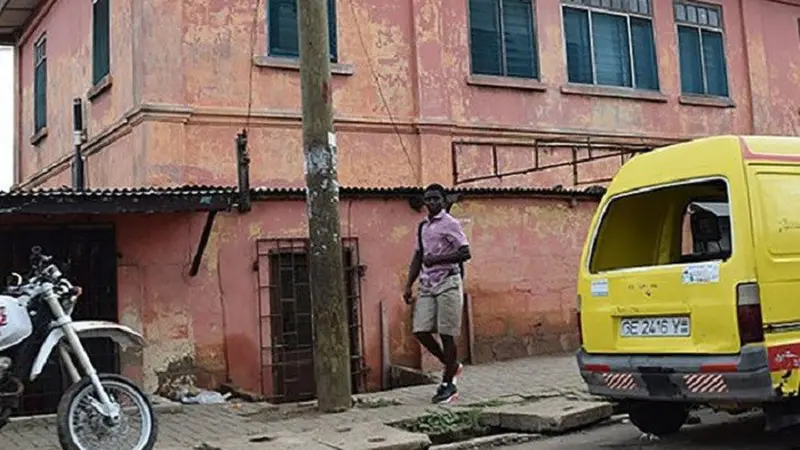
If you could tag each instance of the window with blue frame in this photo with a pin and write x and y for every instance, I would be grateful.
(502, 38)
(101, 49)
(701, 45)
(283, 36)
(610, 43)
(40, 84)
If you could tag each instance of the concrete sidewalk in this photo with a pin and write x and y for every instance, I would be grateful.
(194, 425)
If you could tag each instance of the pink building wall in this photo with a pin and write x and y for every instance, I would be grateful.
(522, 285)
(173, 110)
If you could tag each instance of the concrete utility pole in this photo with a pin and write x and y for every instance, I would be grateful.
(329, 303)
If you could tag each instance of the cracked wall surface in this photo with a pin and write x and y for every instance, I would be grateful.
(206, 329)
(522, 285)
(173, 110)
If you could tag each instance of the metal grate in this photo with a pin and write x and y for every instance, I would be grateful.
(87, 255)
(287, 358)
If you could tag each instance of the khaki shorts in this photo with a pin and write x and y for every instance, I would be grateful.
(439, 310)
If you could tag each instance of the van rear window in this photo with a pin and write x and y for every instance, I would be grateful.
(677, 224)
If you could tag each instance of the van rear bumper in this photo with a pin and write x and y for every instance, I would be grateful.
(689, 378)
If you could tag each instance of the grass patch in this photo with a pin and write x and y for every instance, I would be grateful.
(446, 426)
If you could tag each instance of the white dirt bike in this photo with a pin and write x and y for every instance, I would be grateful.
(98, 411)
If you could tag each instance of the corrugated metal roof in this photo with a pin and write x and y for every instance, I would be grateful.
(186, 198)
(145, 200)
(121, 192)
(264, 191)
(590, 192)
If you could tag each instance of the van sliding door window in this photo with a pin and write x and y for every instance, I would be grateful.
(677, 224)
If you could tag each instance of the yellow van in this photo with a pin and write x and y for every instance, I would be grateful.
(689, 282)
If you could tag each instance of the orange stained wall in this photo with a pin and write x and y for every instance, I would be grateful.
(522, 286)
(181, 74)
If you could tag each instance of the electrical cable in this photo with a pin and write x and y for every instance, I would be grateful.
(380, 92)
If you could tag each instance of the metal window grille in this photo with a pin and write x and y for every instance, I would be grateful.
(285, 313)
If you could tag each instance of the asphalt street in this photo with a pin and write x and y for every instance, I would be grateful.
(717, 431)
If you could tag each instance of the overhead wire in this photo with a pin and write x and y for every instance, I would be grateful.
(380, 91)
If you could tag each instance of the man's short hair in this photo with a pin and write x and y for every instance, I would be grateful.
(438, 188)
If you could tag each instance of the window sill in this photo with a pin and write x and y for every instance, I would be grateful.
(274, 62)
(711, 102)
(98, 89)
(528, 84)
(39, 136)
(614, 92)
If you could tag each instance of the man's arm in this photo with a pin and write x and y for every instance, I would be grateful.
(413, 269)
(461, 255)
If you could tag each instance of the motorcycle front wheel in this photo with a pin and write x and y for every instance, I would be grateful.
(82, 427)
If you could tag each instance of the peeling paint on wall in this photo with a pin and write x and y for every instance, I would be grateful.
(395, 130)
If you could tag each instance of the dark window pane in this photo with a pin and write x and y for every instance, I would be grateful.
(579, 55)
(486, 48)
(611, 50)
(101, 49)
(690, 60)
(714, 60)
(644, 54)
(283, 34)
(518, 28)
(333, 40)
(40, 91)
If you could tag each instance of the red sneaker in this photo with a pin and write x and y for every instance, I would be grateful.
(459, 371)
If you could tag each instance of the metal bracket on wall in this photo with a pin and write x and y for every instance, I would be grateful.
(577, 152)
(201, 246)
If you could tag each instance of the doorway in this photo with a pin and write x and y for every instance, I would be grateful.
(87, 256)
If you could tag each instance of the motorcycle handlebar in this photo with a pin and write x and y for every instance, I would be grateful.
(38, 258)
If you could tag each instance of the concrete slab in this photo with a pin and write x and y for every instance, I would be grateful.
(371, 437)
(554, 415)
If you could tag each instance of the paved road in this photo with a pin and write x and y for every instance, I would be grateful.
(716, 432)
(209, 423)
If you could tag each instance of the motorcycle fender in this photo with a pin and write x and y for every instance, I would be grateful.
(122, 335)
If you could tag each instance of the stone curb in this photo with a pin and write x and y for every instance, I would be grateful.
(496, 440)
(161, 405)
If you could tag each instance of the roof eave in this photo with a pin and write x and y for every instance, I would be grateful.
(15, 17)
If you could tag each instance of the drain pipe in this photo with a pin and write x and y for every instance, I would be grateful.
(243, 172)
(78, 181)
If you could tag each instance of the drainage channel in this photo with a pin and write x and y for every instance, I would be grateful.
(451, 427)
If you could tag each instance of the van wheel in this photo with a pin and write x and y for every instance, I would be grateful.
(659, 419)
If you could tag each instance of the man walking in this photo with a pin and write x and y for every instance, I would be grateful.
(441, 247)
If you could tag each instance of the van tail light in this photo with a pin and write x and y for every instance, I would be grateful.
(578, 321)
(748, 312)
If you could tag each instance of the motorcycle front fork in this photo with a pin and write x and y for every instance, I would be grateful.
(109, 408)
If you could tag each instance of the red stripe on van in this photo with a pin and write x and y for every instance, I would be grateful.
(748, 154)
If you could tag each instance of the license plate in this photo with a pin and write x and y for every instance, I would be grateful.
(655, 327)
